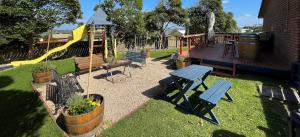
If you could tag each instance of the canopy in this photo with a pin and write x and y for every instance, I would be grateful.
(99, 18)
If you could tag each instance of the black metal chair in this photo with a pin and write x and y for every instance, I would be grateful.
(61, 89)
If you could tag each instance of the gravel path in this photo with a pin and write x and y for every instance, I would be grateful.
(126, 94)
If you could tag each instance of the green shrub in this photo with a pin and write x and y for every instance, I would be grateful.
(78, 105)
(42, 68)
(183, 58)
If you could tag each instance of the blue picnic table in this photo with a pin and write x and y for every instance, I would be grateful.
(194, 75)
(190, 79)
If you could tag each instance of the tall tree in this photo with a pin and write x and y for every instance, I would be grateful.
(198, 17)
(168, 11)
(22, 20)
(127, 16)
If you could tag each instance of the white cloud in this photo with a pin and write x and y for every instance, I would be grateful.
(225, 1)
(247, 15)
(248, 20)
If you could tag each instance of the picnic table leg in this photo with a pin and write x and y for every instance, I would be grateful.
(181, 89)
(111, 75)
(129, 70)
(208, 110)
(182, 94)
(229, 98)
(204, 85)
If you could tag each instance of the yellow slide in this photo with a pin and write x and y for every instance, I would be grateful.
(78, 34)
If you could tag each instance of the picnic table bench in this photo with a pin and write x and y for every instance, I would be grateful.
(83, 63)
(190, 79)
(136, 56)
(115, 64)
(212, 96)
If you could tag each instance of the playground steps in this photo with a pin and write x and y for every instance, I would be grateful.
(222, 70)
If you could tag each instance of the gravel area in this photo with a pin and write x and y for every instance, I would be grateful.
(126, 94)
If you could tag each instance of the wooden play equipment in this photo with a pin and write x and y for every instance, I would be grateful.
(99, 36)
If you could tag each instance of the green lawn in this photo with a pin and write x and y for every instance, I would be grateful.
(159, 54)
(249, 115)
(21, 112)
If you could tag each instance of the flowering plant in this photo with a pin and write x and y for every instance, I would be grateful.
(78, 105)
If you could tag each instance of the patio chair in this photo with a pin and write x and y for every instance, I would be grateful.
(61, 89)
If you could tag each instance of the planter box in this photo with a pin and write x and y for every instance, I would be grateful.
(42, 77)
(85, 123)
(182, 64)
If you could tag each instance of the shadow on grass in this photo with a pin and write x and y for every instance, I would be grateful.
(225, 133)
(5, 81)
(22, 114)
(162, 58)
(275, 111)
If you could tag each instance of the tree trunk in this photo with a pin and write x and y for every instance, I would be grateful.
(161, 33)
(30, 45)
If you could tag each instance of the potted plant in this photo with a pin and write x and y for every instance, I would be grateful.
(82, 115)
(42, 73)
(182, 62)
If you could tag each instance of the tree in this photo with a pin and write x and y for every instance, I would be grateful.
(127, 17)
(254, 28)
(198, 17)
(22, 20)
(230, 23)
(168, 11)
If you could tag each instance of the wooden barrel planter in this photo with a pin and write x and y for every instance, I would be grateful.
(85, 123)
(182, 64)
(249, 46)
(42, 77)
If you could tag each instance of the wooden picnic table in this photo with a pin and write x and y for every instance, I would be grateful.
(194, 75)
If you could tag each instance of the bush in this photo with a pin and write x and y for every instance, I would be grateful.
(42, 68)
(78, 105)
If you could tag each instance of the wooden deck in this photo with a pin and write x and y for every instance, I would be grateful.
(267, 62)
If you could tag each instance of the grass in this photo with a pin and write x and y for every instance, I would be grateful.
(22, 114)
(249, 115)
(158, 54)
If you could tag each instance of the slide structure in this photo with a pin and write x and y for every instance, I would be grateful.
(78, 34)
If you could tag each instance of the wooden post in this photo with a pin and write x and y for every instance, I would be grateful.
(48, 45)
(181, 45)
(190, 44)
(91, 41)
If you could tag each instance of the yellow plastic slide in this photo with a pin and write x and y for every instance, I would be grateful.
(78, 34)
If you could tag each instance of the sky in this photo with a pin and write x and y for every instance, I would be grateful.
(245, 11)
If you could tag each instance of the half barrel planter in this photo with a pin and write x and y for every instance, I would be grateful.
(85, 123)
(182, 64)
(42, 77)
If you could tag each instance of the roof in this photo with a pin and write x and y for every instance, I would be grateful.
(99, 18)
(263, 7)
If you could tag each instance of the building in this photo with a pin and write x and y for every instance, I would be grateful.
(282, 18)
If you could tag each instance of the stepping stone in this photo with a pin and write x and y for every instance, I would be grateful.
(265, 91)
(281, 94)
(278, 93)
(291, 96)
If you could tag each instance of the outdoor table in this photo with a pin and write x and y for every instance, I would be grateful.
(194, 75)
